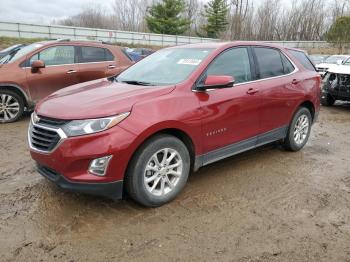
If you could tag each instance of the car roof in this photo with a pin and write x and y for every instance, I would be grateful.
(223, 45)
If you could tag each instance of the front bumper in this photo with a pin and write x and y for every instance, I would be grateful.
(67, 163)
(72, 157)
(112, 190)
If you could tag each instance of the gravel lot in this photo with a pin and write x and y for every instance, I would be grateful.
(264, 205)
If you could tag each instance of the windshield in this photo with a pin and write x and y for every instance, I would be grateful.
(9, 48)
(334, 59)
(317, 58)
(165, 67)
(19, 53)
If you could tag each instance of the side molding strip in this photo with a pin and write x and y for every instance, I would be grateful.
(240, 147)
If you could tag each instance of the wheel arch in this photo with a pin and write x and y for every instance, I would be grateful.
(177, 132)
(310, 106)
(19, 91)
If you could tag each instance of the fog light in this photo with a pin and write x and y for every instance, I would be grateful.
(98, 166)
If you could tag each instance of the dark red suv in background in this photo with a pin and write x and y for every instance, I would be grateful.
(32, 72)
(177, 110)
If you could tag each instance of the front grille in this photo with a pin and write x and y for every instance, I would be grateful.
(45, 133)
(43, 139)
(343, 87)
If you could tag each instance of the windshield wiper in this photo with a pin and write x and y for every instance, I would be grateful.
(8, 57)
(139, 83)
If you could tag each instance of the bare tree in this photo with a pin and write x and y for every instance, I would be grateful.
(266, 20)
(193, 14)
(237, 15)
(130, 14)
(340, 8)
(93, 16)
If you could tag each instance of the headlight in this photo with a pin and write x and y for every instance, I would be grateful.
(90, 126)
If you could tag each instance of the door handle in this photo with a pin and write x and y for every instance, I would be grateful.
(111, 66)
(71, 71)
(295, 82)
(252, 91)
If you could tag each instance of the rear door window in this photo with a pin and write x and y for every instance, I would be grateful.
(269, 62)
(91, 54)
(108, 55)
(287, 65)
(234, 62)
(303, 59)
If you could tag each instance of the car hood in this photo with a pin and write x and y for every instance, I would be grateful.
(325, 65)
(340, 69)
(99, 98)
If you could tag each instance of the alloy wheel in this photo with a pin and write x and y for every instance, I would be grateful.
(163, 172)
(9, 107)
(301, 129)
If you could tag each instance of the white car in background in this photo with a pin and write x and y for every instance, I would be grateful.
(336, 84)
(330, 62)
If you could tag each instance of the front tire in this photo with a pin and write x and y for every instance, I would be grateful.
(11, 106)
(158, 171)
(299, 130)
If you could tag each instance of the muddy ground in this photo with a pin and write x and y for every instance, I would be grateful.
(264, 205)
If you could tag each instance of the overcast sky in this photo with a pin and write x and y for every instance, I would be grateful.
(45, 11)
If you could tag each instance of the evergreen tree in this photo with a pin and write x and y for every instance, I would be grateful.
(339, 33)
(216, 14)
(166, 17)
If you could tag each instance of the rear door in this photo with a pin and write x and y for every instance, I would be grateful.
(60, 71)
(278, 85)
(95, 63)
(231, 114)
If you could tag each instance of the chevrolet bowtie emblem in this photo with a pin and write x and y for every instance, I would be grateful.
(36, 119)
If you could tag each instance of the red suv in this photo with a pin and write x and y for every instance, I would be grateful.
(30, 73)
(177, 110)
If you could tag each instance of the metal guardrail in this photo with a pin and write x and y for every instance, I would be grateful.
(26, 30)
(11, 29)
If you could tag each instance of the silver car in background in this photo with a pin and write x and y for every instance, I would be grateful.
(331, 61)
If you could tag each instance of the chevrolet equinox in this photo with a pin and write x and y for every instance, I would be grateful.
(142, 132)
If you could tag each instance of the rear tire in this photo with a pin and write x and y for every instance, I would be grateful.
(327, 100)
(299, 130)
(11, 106)
(158, 171)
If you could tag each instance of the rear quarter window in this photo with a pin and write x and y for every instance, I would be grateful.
(303, 59)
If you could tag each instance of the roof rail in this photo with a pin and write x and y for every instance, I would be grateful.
(83, 40)
(63, 40)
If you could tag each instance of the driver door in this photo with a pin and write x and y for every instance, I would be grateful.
(231, 115)
(60, 71)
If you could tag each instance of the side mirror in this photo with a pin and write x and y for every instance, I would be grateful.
(339, 62)
(37, 64)
(217, 82)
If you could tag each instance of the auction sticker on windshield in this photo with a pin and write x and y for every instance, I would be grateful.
(189, 61)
